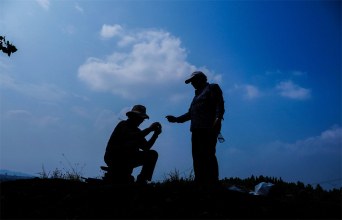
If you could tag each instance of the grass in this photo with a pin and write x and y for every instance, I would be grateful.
(175, 176)
(69, 174)
(74, 175)
(174, 179)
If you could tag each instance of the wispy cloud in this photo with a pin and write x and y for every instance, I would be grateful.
(24, 115)
(81, 111)
(294, 73)
(5, 63)
(290, 160)
(251, 92)
(44, 3)
(78, 8)
(108, 31)
(45, 91)
(273, 72)
(329, 141)
(156, 62)
(108, 119)
(290, 90)
(47, 120)
(126, 40)
(69, 29)
(84, 98)
(178, 97)
(15, 114)
(298, 73)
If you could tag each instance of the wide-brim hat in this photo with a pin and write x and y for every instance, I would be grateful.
(193, 75)
(138, 110)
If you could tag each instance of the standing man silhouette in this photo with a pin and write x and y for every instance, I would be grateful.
(205, 112)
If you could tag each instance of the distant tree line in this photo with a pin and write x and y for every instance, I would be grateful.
(284, 189)
(6, 47)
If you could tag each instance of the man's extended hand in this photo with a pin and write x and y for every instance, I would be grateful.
(217, 125)
(171, 118)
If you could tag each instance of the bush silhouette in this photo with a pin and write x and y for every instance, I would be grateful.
(6, 47)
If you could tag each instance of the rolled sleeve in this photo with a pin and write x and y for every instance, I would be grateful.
(185, 117)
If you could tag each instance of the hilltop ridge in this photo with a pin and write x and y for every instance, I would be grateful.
(62, 199)
(13, 173)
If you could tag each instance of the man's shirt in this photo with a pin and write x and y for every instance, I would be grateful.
(123, 135)
(206, 106)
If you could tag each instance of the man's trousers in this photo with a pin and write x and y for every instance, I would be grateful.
(204, 158)
(124, 163)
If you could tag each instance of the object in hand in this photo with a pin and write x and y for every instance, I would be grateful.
(220, 138)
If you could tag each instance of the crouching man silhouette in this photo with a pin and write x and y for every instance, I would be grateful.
(122, 152)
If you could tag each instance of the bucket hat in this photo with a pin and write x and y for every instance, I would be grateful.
(138, 110)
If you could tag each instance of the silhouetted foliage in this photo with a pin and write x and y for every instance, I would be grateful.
(309, 188)
(318, 189)
(174, 199)
(6, 47)
(300, 185)
(286, 189)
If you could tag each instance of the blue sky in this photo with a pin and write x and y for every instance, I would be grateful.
(81, 65)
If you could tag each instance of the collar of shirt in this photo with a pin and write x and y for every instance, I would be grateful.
(199, 91)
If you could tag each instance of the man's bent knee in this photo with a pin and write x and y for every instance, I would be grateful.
(153, 154)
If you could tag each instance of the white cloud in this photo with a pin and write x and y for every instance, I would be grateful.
(108, 119)
(313, 159)
(81, 111)
(24, 115)
(78, 8)
(294, 72)
(84, 98)
(44, 3)
(44, 91)
(298, 73)
(47, 120)
(178, 97)
(18, 114)
(290, 90)
(126, 40)
(156, 62)
(251, 92)
(5, 63)
(328, 142)
(122, 113)
(273, 72)
(69, 29)
(111, 31)
(217, 78)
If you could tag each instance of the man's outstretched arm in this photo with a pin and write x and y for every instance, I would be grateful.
(180, 119)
